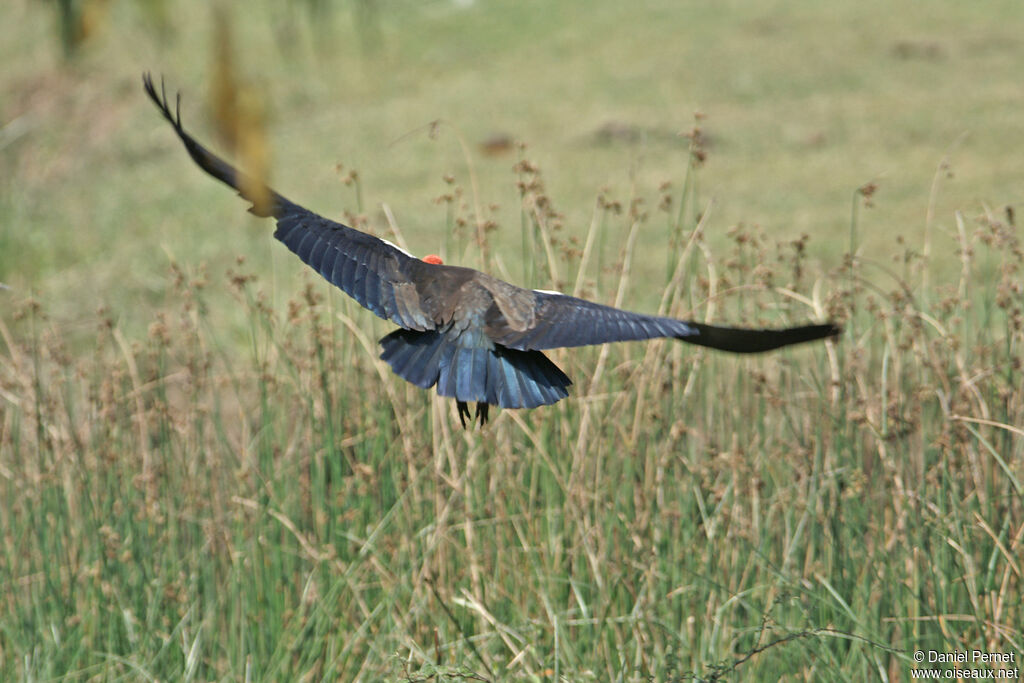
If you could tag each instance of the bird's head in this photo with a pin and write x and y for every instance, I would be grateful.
(433, 259)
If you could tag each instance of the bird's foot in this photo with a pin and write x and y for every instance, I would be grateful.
(481, 413)
(463, 408)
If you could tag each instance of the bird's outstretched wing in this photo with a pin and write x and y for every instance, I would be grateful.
(561, 321)
(369, 269)
(383, 278)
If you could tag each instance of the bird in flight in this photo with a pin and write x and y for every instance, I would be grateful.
(474, 337)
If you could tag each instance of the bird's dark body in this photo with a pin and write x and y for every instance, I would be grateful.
(474, 337)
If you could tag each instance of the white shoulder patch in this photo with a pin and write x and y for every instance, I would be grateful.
(549, 291)
(392, 244)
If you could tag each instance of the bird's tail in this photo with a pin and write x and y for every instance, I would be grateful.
(265, 202)
(740, 340)
(499, 376)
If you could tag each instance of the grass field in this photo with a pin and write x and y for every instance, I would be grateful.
(208, 475)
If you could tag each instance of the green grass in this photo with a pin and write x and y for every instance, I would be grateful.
(208, 475)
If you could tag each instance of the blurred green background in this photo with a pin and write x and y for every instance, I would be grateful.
(804, 102)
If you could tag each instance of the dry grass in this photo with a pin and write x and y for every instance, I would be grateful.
(178, 507)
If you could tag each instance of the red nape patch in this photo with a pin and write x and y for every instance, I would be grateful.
(434, 259)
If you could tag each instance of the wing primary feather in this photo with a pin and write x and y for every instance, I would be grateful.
(373, 297)
(285, 230)
(348, 275)
(338, 269)
(336, 251)
(359, 283)
(329, 266)
(249, 188)
(315, 253)
(739, 340)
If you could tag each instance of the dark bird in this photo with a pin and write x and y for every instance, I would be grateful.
(475, 337)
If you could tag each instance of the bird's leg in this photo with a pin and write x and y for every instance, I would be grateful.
(481, 412)
(463, 412)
